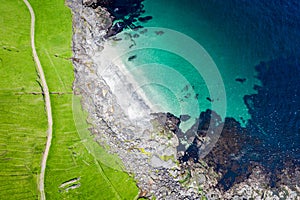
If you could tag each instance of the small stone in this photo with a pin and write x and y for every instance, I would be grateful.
(88, 2)
(201, 179)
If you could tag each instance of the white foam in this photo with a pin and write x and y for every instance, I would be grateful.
(133, 101)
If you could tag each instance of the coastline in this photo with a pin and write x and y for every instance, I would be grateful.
(137, 146)
(134, 103)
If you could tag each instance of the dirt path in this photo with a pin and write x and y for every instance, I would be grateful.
(47, 103)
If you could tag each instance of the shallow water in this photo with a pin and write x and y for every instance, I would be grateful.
(237, 36)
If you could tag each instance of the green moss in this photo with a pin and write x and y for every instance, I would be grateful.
(186, 178)
(142, 150)
(166, 158)
(203, 198)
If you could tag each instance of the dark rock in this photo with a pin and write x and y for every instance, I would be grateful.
(226, 157)
(116, 39)
(136, 35)
(168, 120)
(89, 2)
(186, 88)
(159, 32)
(271, 137)
(144, 19)
(115, 29)
(241, 80)
(184, 117)
(132, 57)
(144, 31)
(172, 122)
(191, 153)
(209, 99)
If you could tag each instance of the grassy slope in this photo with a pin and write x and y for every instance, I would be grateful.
(68, 156)
(22, 117)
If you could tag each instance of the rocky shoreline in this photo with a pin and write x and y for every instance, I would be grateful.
(148, 152)
(141, 151)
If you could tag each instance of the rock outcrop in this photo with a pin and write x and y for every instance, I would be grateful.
(89, 2)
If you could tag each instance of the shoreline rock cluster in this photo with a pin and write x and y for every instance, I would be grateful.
(149, 152)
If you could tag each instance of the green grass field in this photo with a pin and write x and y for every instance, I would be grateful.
(23, 122)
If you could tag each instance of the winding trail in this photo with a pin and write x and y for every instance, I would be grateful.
(47, 103)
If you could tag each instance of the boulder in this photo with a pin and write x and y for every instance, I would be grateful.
(89, 2)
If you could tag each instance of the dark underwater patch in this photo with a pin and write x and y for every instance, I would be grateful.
(271, 138)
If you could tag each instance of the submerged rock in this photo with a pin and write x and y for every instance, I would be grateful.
(241, 80)
(184, 118)
(145, 19)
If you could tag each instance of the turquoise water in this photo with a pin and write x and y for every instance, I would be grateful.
(174, 72)
(236, 34)
(233, 55)
(170, 82)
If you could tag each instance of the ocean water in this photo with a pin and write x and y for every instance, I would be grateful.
(256, 48)
(239, 58)
(171, 77)
(237, 35)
